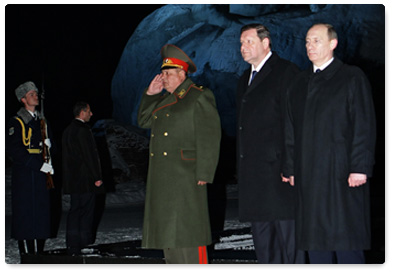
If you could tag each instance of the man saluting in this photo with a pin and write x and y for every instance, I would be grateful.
(184, 150)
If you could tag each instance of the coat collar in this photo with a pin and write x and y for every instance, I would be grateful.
(329, 71)
(79, 122)
(180, 92)
(262, 74)
(26, 116)
(184, 88)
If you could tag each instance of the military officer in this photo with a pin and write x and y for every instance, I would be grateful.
(184, 151)
(30, 195)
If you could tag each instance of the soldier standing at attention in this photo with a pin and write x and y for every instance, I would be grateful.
(30, 195)
(184, 151)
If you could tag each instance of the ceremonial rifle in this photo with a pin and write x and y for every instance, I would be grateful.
(44, 135)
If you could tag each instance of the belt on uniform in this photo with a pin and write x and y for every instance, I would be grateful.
(34, 151)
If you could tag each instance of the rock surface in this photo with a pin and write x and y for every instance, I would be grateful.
(209, 34)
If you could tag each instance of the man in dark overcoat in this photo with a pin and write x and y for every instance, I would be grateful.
(82, 178)
(329, 141)
(264, 200)
(184, 151)
(30, 195)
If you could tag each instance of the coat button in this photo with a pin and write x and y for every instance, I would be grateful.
(152, 154)
(164, 153)
(152, 135)
(155, 117)
(167, 115)
(165, 134)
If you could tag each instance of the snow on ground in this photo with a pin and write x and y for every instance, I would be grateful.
(126, 194)
(117, 235)
(114, 229)
(126, 234)
(127, 151)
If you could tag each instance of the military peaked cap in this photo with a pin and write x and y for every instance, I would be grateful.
(174, 57)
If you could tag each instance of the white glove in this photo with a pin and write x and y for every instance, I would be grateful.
(47, 142)
(46, 168)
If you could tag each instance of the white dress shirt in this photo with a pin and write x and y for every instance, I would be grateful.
(259, 67)
(322, 67)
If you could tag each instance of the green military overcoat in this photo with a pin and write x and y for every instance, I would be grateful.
(184, 149)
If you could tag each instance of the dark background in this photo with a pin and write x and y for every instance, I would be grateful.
(73, 50)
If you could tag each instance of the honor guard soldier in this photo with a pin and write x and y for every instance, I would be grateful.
(30, 194)
(184, 151)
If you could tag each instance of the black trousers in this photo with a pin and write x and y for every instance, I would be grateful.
(274, 242)
(31, 246)
(340, 257)
(79, 231)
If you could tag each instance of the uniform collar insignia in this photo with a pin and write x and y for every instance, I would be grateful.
(183, 89)
(181, 93)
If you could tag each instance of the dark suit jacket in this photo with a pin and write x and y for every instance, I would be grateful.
(262, 194)
(81, 164)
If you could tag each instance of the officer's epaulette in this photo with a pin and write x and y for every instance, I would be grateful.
(183, 92)
(200, 86)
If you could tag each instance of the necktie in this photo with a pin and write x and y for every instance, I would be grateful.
(253, 76)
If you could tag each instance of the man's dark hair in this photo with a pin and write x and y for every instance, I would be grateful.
(262, 31)
(79, 106)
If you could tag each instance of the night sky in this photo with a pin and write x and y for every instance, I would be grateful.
(73, 50)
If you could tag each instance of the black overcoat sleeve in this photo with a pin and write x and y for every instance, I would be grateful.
(363, 123)
(287, 126)
(89, 154)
